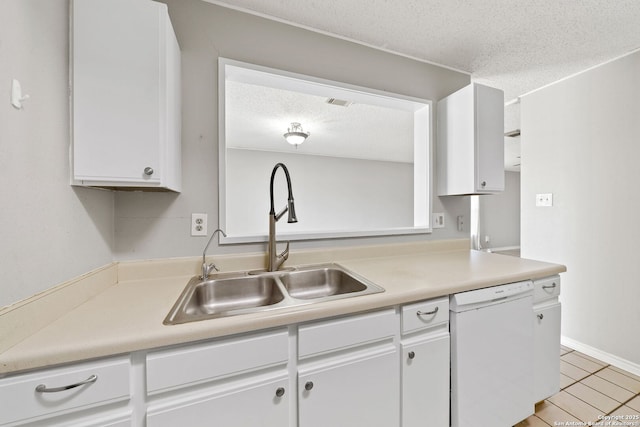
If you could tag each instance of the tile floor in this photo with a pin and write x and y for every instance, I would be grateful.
(589, 390)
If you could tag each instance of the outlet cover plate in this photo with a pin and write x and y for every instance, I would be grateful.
(199, 224)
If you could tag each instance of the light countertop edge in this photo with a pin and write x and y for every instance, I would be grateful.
(128, 316)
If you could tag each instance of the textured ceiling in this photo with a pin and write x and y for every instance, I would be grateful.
(518, 46)
(257, 117)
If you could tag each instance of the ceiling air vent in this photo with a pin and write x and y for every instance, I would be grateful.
(339, 102)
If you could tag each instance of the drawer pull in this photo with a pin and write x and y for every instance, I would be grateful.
(42, 388)
(427, 313)
(412, 355)
(552, 286)
(308, 385)
(280, 392)
(540, 316)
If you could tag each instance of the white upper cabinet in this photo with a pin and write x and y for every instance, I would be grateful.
(125, 95)
(470, 145)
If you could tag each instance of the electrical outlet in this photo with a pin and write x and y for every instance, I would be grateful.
(460, 223)
(199, 224)
(438, 220)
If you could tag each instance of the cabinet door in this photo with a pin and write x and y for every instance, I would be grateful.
(489, 147)
(96, 419)
(262, 405)
(63, 390)
(126, 94)
(116, 89)
(470, 154)
(546, 340)
(362, 391)
(425, 382)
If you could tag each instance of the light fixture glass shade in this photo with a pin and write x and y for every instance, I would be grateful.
(295, 135)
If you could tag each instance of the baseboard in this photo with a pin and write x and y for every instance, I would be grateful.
(609, 358)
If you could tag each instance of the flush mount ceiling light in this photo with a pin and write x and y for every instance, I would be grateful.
(295, 135)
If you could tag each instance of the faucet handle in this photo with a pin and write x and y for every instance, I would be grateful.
(281, 258)
(284, 254)
(206, 270)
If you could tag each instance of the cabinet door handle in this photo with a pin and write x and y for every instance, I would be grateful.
(308, 385)
(148, 171)
(427, 313)
(540, 316)
(42, 388)
(552, 286)
(412, 354)
(483, 184)
(280, 392)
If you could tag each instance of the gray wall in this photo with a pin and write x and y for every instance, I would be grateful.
(58, 232)
(157, 225)
(330, 193)
(49, 231)
(580, 142)
(500, 215)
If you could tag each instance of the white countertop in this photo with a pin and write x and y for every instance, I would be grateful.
(128, 315)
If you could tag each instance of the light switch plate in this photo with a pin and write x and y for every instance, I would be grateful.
(438, 220)
(544, 200)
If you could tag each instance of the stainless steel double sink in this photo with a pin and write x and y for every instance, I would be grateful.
(229, 294)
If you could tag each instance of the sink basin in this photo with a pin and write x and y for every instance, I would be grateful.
(222, 297)
(232, 294)
(321, 282)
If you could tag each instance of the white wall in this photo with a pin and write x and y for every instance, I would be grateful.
(330, 193)
(157, 225)
(500, 215)
(580, 142)
(49, 231)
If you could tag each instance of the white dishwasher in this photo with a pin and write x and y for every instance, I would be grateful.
(492, 356)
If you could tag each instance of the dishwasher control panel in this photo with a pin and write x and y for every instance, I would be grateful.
(495, 294)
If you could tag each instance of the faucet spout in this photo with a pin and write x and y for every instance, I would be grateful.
(275, 259)
(206, 268)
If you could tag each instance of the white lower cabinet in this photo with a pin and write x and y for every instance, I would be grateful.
(348, 372)
(93, 420)
(240, 381)
(425, 382)
(425, 364)
(546, 381)
(357, 391)
(546, 338)
(87, 394)
(250, 403)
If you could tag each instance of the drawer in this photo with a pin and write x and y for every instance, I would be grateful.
(192, 364)
(329, 335)
(425, 314)
(21, 399)
(547, 288)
